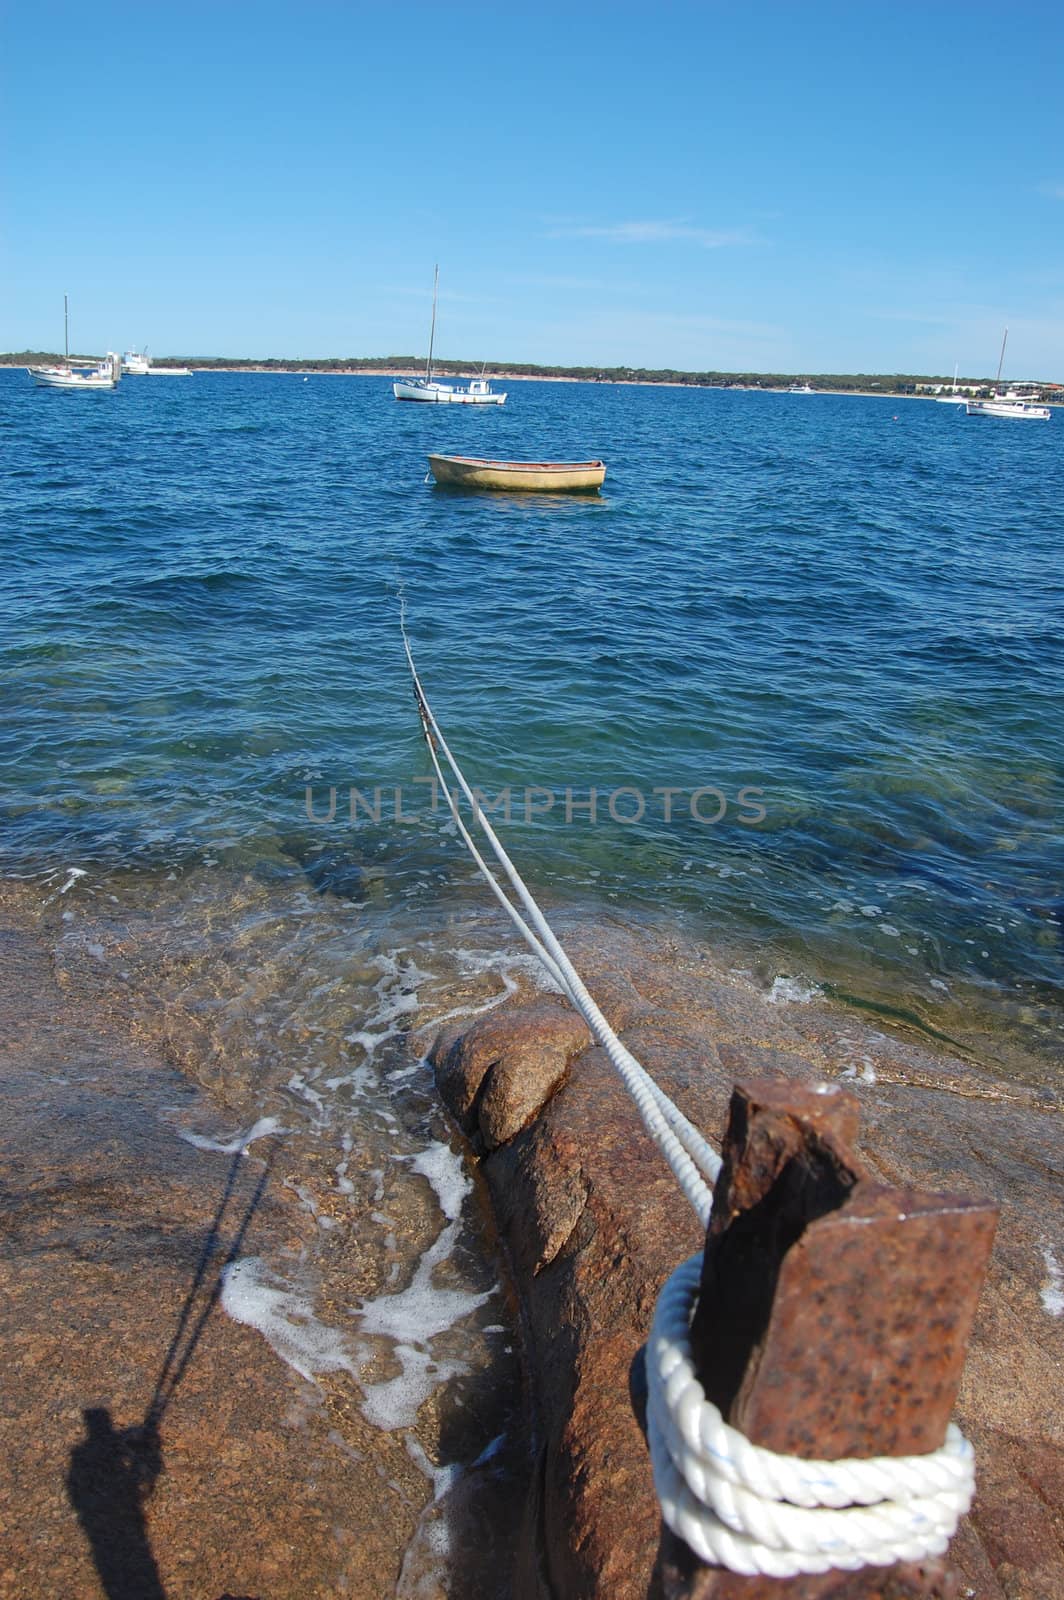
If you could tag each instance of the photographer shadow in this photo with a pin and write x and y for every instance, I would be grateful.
(112, 1472)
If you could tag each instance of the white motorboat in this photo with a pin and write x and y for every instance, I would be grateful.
(800, 388)
(138, 364)
(1014, 403)
(478, 392)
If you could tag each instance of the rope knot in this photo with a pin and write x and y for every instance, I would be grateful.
(740, 1506)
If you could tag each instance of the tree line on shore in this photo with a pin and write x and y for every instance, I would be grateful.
(883, 383)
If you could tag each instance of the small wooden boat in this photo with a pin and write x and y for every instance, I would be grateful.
(521, 477)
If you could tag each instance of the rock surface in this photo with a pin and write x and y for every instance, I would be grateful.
(243, 1480)
(257, 1483)
(593, 1223)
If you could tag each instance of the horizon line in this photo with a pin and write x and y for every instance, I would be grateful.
(18, 358)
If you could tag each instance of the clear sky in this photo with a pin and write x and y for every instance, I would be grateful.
(803, 187)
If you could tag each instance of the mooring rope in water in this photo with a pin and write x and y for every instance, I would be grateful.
(735, 1504)
(693, 1160)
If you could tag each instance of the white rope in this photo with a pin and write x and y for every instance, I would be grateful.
(743, 1507)
(693, 1161)
(735, 1504)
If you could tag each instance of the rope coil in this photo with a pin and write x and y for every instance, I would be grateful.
(746, 1508)
(735, 1504)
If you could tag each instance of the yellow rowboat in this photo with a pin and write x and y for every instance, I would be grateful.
(521, 477)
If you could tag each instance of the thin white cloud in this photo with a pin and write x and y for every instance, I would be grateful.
(656, 232)
(1055, 191)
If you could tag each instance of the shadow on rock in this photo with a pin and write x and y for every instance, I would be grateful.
(111, 1475)
(112, 1471)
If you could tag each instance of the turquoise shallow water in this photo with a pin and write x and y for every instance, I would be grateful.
(854, 607)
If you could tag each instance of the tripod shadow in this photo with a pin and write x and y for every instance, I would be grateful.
(112, 1472)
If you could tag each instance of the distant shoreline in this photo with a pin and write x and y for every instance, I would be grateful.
(691, 381)
(543, 377)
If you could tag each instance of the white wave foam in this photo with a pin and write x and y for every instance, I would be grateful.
(410, 1320)
(240, 1141)
(504, 963)
(298, 1085)
(1053, 1287)
(792, 991)
(344, 1184)
(859, 1071)
(286, 1320)
(446, 1173)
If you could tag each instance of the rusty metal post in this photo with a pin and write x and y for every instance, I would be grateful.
(832, 1319)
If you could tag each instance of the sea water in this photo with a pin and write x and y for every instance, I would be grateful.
(841, 618)
(791, 686)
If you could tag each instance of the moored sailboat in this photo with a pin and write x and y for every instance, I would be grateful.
(478, 392)
(1013, 404)
(77, 374)
(102, 375)
(953, 398)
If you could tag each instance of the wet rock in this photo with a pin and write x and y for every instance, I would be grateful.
(593, 1223)
(497, 1075)
(152, 1446)
(584, 1203)
(264, 1486)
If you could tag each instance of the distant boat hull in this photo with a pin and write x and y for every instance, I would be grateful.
(1021, 409)
(477, 394)
(519, 477)
(137, 364)
(1012, 403)
(102, 377)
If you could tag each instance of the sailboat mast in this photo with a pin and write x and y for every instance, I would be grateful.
(432, 335)
(66, 329)
(1001, 362)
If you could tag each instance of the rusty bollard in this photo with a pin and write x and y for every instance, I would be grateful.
(832, 1319)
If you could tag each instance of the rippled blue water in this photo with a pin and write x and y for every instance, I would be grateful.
(854, 605)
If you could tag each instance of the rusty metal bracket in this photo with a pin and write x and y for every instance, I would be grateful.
(833, 1316)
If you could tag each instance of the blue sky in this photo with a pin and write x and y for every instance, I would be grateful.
(775, 187)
